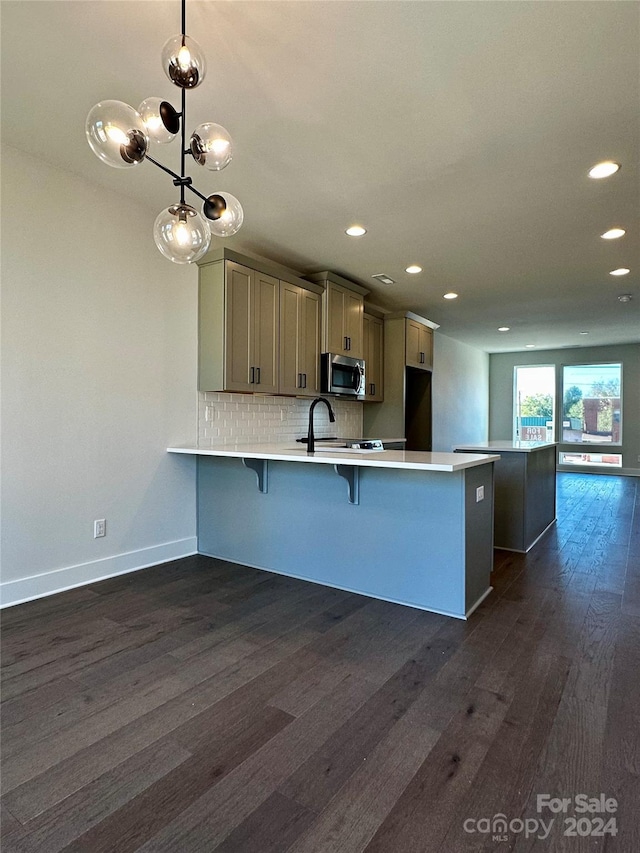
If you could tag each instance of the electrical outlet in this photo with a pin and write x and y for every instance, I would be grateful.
(99, 528)
(638, 457)
(479, 494)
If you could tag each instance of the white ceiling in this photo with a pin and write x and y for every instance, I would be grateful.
(459, 133)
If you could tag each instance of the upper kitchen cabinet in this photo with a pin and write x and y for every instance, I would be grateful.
(418, 344)
(299, 340)
(253, 300)
(374, 357)
(405, 411)
(239, 324)
(342, 314)
(238, 329)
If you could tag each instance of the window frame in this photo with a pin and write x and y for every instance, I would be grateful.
(592, 444)
(554, 401)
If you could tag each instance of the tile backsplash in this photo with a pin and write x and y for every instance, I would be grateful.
(250, 418)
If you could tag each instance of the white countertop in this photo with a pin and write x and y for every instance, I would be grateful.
(406, 459)
(506, 446)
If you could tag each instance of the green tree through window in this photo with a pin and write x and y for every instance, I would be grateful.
(537, 406)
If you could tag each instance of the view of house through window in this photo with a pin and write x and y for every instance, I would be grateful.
(591, 410)
(534, 402)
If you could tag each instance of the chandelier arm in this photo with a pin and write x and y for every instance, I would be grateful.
(195, 191)
(164, 168)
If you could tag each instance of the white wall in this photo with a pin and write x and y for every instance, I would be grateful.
(98, 377)
(460, 394)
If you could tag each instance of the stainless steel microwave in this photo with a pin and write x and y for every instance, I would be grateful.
(342, 375)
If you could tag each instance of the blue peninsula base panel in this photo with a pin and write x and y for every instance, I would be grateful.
(418, 538)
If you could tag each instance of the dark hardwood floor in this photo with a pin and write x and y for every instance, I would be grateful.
(201, 706)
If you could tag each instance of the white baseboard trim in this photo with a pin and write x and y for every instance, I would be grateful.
(59, 580)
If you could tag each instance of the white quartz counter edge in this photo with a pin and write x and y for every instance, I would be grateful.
(506, 446)
(406, 459)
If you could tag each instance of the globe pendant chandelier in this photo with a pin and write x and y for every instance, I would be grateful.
(120, 136)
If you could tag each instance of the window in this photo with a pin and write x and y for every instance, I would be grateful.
(534, 402)
(591, 460)
(591, 404)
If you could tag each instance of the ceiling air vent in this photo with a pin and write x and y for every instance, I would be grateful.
(383, 278)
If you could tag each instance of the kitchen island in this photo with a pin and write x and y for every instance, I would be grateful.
(525, 490)
(409, 527)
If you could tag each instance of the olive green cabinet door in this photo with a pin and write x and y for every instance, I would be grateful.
(239, 327)
(299, 341)
(343, 318)
(309, 344)
(336, 336)
(263, 372)
(419, 345)
(354, 311)
(290, 379)
(374, 358)
(251, 330)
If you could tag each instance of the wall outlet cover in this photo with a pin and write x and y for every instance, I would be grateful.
(479, 494)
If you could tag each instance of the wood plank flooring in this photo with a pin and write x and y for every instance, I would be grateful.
(203, 706)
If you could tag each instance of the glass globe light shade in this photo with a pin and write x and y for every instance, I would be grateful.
(184, 62)
(154, 114)
(224, 214)
(211, 146)
(181, 234)
(117, 134)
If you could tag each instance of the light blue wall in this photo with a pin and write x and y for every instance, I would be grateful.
(501, 391)
(416, 537)
(460, 401)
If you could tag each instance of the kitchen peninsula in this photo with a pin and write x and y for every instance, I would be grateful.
(409, 527)
(525, 490)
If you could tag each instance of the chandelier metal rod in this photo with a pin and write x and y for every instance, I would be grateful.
(178, 180)
(182, 124)
(183, 117)
(164, 168)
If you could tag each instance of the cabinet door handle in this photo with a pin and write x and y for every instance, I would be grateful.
(258, 374)
(349, 339)
(346, 342)
(305, 380)
(299, 385)
(373, 389)
(421, 358)
(252, 375)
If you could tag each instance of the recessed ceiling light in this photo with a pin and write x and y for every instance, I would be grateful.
(620, 271)
(625, 297)
(413, 269)
(583, 333)
(356, 231)
(503, 328)
(529, 346)
(451, 295)
(604, 169)
(613, 234)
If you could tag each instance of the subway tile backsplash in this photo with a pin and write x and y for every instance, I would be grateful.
(253, 418)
